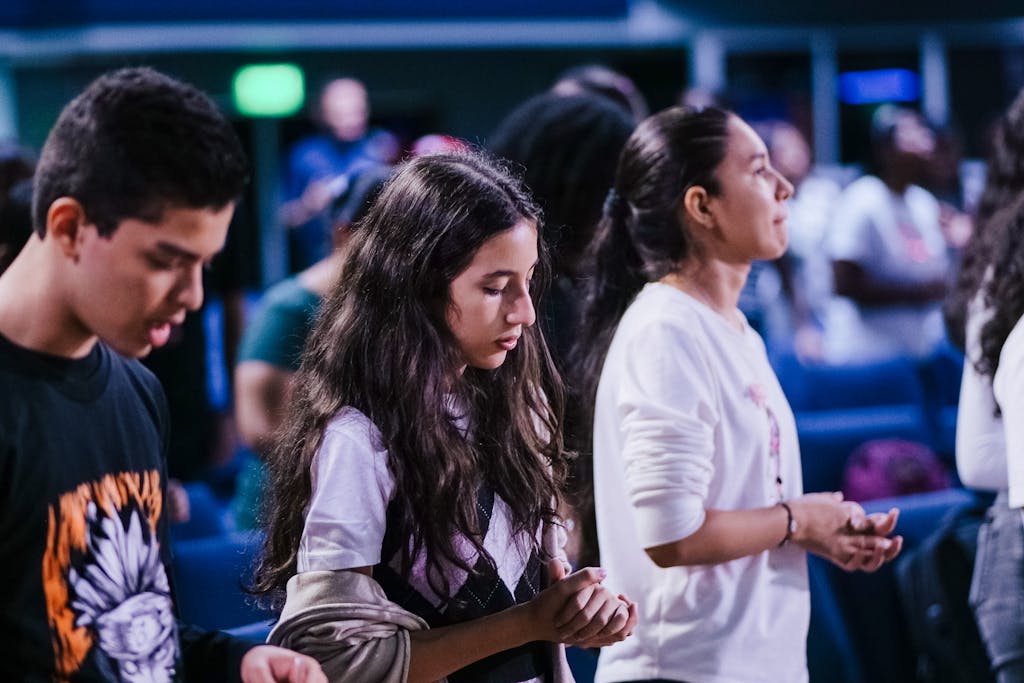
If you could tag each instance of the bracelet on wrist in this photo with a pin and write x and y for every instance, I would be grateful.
(790, 523)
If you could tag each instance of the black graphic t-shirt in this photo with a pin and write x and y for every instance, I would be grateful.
(85, 591)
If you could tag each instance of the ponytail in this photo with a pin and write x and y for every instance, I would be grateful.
(639, 239)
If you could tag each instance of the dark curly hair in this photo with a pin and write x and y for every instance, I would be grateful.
(382, 345)
(1003, 185)
(1003, 291)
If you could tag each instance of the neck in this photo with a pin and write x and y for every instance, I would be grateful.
(897, 182)
(716, 284)
(33, 313)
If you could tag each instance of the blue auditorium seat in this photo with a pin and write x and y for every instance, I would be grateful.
(829, 387)
(209, 577)
(207, 514)
(828, 437)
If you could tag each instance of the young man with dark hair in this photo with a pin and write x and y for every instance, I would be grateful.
(134, 190)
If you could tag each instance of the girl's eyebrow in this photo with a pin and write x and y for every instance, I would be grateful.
(508, 273)
(499, 273)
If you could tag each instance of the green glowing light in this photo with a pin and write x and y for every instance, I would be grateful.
(268, 89)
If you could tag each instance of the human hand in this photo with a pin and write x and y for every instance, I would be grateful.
(605, 619)
(270, 664)
(879, 524)
(575, 609)
(317, 196)
(841, 532)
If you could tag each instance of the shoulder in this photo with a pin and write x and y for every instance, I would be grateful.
(918, 196)
(662, 336)
(287, 294)
(661, 316)
(352, 426)
(281, 325)
(352, 449)
(866, 185)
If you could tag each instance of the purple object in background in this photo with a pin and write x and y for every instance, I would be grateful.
(884, 468)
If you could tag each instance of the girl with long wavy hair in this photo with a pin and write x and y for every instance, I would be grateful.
(697, 482)
(412, 524)
(985, 311)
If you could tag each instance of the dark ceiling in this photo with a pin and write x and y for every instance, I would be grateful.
(833, 12)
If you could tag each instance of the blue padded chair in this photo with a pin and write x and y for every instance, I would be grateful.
(209, 577)
(829, 387)
(870, 602)
(827, 438)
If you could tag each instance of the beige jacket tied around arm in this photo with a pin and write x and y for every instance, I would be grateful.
(344, 620)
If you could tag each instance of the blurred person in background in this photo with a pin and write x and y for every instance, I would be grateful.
(15, 221)
(318, 165)
(804, 272)
(601, 80)
(955, 188)
(567, 147)
(890, 259)
(16, 167)
(268, 356)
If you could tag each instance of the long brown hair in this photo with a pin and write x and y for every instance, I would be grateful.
(639, 239)
(382, 345)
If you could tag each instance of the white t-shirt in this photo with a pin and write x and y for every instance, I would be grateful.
(347, 515)
(352, 486)
(980, 442)
(896, 239)
(690, 416)
(1008, 385)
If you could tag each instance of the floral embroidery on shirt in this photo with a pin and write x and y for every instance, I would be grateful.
(756, 393)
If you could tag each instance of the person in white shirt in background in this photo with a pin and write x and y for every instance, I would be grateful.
(889, 254)
(984, 312)
(697, 484)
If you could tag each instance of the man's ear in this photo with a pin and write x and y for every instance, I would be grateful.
(696, 206)
(64, 222)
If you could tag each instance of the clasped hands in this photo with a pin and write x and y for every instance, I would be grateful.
(841, 532)
(578, 610)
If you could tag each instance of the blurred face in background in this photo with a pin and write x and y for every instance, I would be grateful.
(912, 146)
(345, 109)
(791, 155)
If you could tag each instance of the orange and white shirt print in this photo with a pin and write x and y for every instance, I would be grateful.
(105, 582)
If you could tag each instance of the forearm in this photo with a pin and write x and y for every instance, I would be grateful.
(855, 283)
(438, 652)
(261, 394)
(725, 535)
(256, 430)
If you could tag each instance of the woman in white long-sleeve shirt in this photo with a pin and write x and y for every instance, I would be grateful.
(696, 465)
(990, 420)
